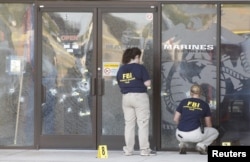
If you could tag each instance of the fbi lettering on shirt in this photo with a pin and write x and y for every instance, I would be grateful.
(127, 77)
(191, 105)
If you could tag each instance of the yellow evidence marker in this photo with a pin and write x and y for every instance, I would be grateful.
(102, 152)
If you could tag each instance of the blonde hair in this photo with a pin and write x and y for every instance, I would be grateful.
(196, 89)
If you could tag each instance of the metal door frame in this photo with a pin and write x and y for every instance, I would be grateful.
(115, 142)
(96, 8)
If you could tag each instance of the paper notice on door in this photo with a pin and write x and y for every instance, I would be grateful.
(15, 66)
(110, 68)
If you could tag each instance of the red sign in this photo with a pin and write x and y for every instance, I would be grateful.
(69, 38)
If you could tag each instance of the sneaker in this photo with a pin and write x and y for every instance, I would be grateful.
(202, 151)
(183, 149)
(147, 152)
(126, 152)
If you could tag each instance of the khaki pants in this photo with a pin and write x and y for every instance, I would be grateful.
(136, 109)
(195, 136)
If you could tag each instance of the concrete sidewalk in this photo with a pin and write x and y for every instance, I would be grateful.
(91, 156)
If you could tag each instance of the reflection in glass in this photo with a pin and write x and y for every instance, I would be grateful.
(66, 73)
(120, 31)
(235, 74)
(188, 56)
(16, 75)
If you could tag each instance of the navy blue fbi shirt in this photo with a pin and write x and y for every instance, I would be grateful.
(131, 78)
(192, 110)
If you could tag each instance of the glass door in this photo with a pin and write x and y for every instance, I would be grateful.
(120, 29)
(80, 52)
(67, 93)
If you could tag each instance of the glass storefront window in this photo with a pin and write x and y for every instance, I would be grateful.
(188, 56)
(235, 74)
(16, 75)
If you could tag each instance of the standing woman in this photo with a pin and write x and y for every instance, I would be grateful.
(133, 80)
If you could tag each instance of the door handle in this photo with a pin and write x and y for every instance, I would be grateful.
(93, 86)
(97, 86)
(100, 86)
